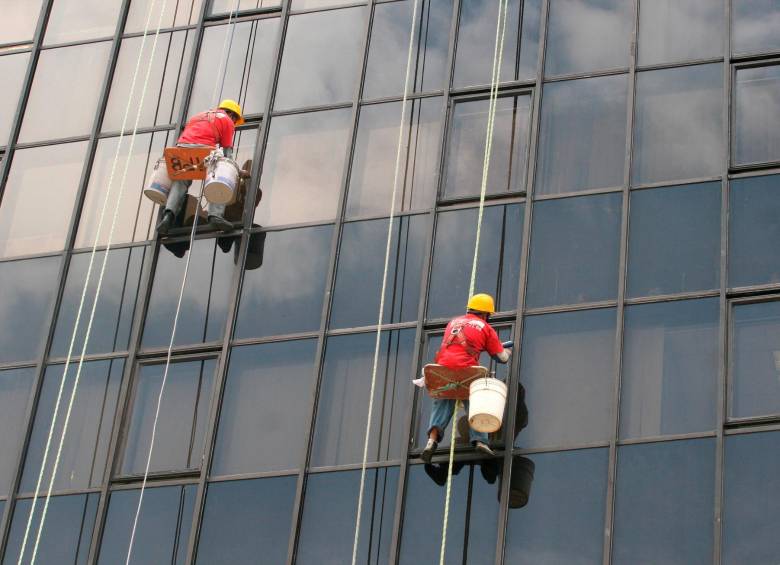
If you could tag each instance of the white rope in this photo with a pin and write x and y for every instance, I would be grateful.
(83, 299)
(229, 30)
(384, 283)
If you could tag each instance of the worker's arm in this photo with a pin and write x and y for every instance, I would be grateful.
(502, 357)
(495, 348)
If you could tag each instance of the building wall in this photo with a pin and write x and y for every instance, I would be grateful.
(629, 234)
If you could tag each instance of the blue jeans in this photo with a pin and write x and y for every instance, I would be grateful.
(441, 416)
(178, 193)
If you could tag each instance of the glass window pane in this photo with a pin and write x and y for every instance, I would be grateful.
(246, 83)
(204, 305)
(19, 20)
(498, 262)
(476, 42)
(664, 503)
(227, 6)
(588, 35)
(39, 197)
(12, 69)
(163, 526)
(246, 519)
(572, 111)
(568, 374)
(283, 295)
(358, 287)
(466, 147)
(751, 499)
(680, 30)
(754, 26)
(329, 513)
(178, 443)
(575, 245)
(754, 256)
(304, 4)
(66, 534)
(56, 109)
(376, 147)
(388, 48)
(670, 368)
(303, 167)
(342, 408)
(320, 59)
(15, 389)
(75, 20)
(755, 387)
(85, 447)
(568, 495)
(678, 125)
(268, 388)
(178, 13)
(755, 120)
(116, 306)
(674, 241)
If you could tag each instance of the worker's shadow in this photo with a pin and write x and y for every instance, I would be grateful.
(254, 255)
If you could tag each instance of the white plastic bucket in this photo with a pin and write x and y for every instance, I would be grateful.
(487, 398)
(159, 185)
(221, 181)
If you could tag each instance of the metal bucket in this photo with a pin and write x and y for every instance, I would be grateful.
(159, 184)
(221, 181)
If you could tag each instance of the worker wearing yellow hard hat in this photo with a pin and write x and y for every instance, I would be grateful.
(234, 110)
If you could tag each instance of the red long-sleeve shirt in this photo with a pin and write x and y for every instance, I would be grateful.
(213, 127)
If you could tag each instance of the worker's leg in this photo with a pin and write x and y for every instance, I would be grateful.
(177, 195)
(217, 217)
(474, 435)
(441, 414)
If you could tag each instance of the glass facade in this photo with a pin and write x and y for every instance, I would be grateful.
(629, 236)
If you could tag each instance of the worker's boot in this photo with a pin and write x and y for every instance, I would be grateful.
(165, 223)
(220, 223)
(430, 448)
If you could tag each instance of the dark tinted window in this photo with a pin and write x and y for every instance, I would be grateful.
(756, 124)
(754, 26)
(15, 389)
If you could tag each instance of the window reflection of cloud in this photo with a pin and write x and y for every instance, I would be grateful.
(755, 26)
(678, 30)
(758, 102)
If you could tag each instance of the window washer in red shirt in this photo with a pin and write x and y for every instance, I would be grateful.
(207, 129)
(465, 338)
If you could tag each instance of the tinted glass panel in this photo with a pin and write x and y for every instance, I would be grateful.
(178, 443)
(15, 388)
(754, 26)
(268, 388)
(85, 447)
(56, 109)
(466, 147)
(477, 46)
(19, 20)
(204, 305)
(568, 494)
(246, 72)
(73, 20)
(163, 526)
(320, 60)
(66, 533)
(754, 206)
(674, 241)
(303, 167)
(755, 121)
(678, 126)
(283, 295)
(387, 54)
(178, 13)
(572, 111)
(376, 147)
(670, 368)
(39, 197)
(342, 409)
(12, 69)
(680, 30)
(567, 371)
(588, 35)
(329, 512)
(664, 503)
(575, 244)
(245, 519)
(227, 6)
(498, 261)
(751, 499)
(358, 287)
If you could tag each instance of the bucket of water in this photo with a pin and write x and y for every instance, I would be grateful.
(159, 184)
(221, 182)
(487, 398)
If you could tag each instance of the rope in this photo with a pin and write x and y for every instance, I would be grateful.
(384, 283)
(83, 298)
(222, 58)
(494, 80)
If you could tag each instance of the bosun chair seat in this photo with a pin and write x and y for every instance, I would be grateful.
(453, 384)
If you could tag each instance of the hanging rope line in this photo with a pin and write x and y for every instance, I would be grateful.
(384, 282)
(83, 298)
(494, 80)
(178, 308)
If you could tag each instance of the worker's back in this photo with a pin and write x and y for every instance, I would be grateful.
(465, 338)
(213, 127)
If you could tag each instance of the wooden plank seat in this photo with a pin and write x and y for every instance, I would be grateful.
(446, 383)
(186, 163)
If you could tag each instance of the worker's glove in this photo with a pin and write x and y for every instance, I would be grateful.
(508, 344)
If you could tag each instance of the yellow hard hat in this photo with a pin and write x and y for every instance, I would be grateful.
(482, 303)
(233, 106)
